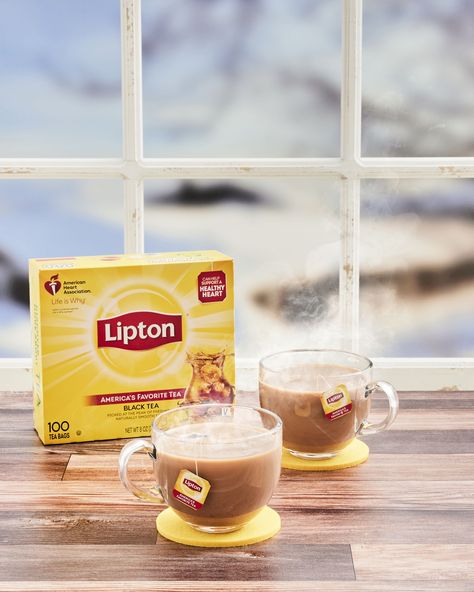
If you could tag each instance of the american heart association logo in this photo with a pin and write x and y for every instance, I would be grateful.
(53, 285)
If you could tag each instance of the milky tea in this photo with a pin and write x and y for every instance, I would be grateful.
(117, 340)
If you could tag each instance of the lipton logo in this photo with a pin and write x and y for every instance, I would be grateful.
(139, 330)
(53, 285)
(334, 398)
(192, 485)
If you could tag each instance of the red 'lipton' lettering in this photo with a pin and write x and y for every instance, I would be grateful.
(139, 330)
(192, 485)
(335, 397)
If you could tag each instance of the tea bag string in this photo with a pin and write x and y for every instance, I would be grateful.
(198, 454)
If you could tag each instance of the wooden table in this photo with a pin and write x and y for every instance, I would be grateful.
(403, 521)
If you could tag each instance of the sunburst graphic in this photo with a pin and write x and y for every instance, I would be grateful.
(72, 361)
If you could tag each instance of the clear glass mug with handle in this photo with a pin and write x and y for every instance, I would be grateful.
(215, 465)
(323, 399)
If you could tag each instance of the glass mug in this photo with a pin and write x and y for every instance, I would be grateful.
(323, 399)
(215, 465)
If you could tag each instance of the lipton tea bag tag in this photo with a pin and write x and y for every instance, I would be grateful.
(336, 402)
(191, 490)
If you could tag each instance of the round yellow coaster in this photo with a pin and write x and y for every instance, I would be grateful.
(265, 525)
(355, 454)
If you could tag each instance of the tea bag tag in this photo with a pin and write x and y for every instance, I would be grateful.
(336, 402)
(191, 490)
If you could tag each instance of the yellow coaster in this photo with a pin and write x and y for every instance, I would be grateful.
(265, 525)
(355, 454)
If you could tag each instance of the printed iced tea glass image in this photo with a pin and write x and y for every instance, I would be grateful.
(323, 399)
(208, 383)
(215, 465)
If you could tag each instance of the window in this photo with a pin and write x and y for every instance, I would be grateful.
(351, 179)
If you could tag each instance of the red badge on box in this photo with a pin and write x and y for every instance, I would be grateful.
(212, 286)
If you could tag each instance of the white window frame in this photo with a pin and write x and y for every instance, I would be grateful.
(350, 168)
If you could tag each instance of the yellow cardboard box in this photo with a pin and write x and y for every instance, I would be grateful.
(119, 339)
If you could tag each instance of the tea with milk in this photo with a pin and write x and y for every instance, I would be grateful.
(311, 403)
(236, 465)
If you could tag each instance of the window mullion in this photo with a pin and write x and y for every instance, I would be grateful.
(132, 124)
(349, 264)
(351, 120)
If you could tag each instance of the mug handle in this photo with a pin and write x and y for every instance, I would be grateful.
(149, 495)
(366, 427)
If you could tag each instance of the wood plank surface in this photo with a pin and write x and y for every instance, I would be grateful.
(403, 521)
(393, 441)
(170, 561)
(32, 467)
(75, 527)
(422, 442)
(108, 496)
(328, 526)
(429, 419)
(414, 562)
(382, 467)
(241, 586)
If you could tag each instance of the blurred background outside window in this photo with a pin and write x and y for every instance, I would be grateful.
(260, 78)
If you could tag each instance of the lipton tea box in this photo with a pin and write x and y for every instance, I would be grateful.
(117, 340)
